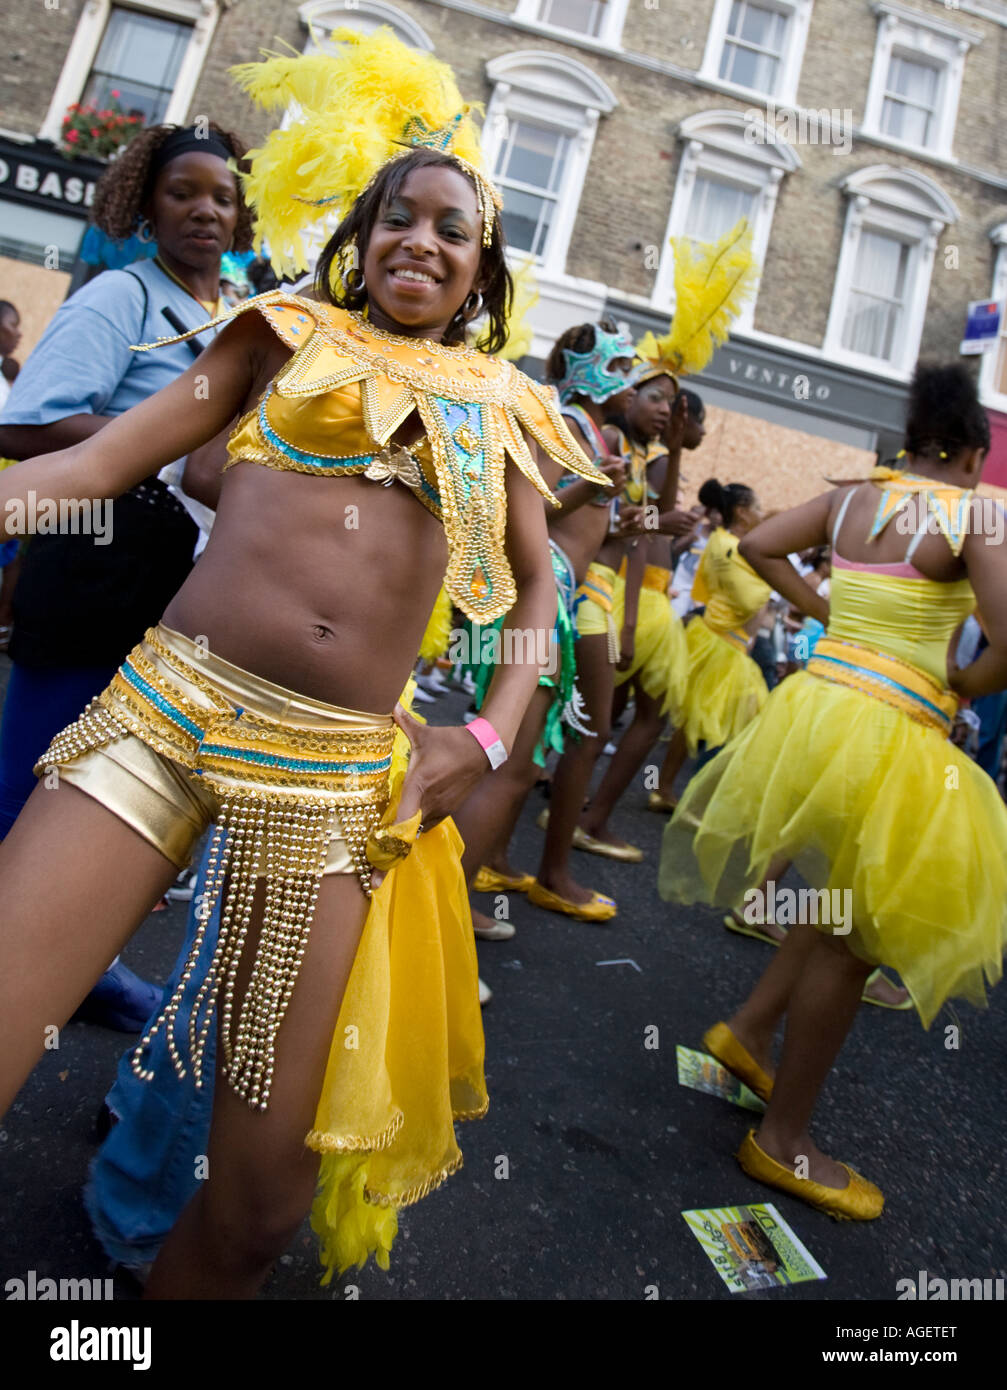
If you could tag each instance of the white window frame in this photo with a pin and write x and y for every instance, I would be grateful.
(913, 208)
(554, 90)
(201, 14)
(910, 34)
(988, 394)
(720, 144)
(320, 17)
(610, 37)
(798, 13)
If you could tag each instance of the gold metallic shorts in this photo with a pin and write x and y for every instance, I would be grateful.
(180, 739)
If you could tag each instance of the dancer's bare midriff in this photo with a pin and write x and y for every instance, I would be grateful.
(302, 585)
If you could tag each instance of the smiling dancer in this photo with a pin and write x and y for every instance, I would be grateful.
(849, 771)
(343, 1031)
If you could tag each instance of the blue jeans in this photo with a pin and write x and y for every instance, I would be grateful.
(992, 712)
(37, 705)
(145, 1171)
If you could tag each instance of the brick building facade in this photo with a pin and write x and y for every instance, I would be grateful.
(860, 137)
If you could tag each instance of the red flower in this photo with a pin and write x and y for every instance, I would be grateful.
(95, 132)
(72, 136)
(133, 120)
(113, 94)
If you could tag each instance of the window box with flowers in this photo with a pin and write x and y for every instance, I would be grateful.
(97, 132)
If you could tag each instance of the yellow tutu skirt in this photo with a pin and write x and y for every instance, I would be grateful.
(660, 653)
(864, 799)
(725, 689)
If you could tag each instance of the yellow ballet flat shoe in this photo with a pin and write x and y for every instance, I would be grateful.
(599, 909)
(542, 819)
(721, 1043)
(859, 1200)
(487, 880)
(664, 804)
(628, 854)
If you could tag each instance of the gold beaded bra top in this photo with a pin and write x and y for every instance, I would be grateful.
(334, 407)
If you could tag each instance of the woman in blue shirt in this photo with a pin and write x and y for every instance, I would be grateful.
(83, 600)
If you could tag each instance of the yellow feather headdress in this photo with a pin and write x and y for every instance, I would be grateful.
(712, 282)
(354, 112)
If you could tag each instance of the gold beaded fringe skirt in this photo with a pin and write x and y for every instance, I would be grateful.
(181, 739)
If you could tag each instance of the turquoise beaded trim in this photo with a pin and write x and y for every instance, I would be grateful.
(876, 678)
(332, 463)
(276, 761)
(154, 697)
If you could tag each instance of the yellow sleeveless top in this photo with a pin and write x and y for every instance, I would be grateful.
(893, 607)
(333, 409)
(728, 586)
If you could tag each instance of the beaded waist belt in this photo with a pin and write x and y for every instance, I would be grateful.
(281, 786)
(887, 678)
(654, 577)
(734, 637)
(599, 586)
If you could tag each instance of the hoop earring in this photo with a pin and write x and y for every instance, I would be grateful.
(472, 311)
(345, 277)
(145, 232)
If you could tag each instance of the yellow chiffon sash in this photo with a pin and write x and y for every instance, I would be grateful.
(406, 1059)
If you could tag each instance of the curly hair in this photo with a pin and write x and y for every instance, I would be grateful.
(944, 414)
(354, 232)
(126, 185)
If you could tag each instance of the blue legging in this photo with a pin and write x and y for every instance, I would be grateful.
(37, 705)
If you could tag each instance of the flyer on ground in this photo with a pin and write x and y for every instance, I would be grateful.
(700, 1072)
(753, 1247)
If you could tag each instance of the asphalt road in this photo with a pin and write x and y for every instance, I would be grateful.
(604, 1148)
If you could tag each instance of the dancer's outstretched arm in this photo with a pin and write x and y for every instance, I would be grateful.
(167, 426)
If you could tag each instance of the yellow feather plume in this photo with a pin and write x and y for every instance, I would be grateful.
(519, 330)
(712, 283)
(352, 109)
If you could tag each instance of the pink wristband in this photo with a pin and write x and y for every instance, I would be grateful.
(489, 741)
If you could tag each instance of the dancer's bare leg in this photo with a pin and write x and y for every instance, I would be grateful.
(494, 805)
(674, 761)
(822, 1006)
(756, 1022)
(77, 882)
(772, 931)
(261, 1177)
(626, 762)
(595, 677)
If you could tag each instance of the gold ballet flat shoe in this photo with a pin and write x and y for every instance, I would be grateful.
(859, 1200)
(499, 931)
(599, 909)
(628, 854)
(663, 804)
(542, 819)
(721, 1043)
(487, 880)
